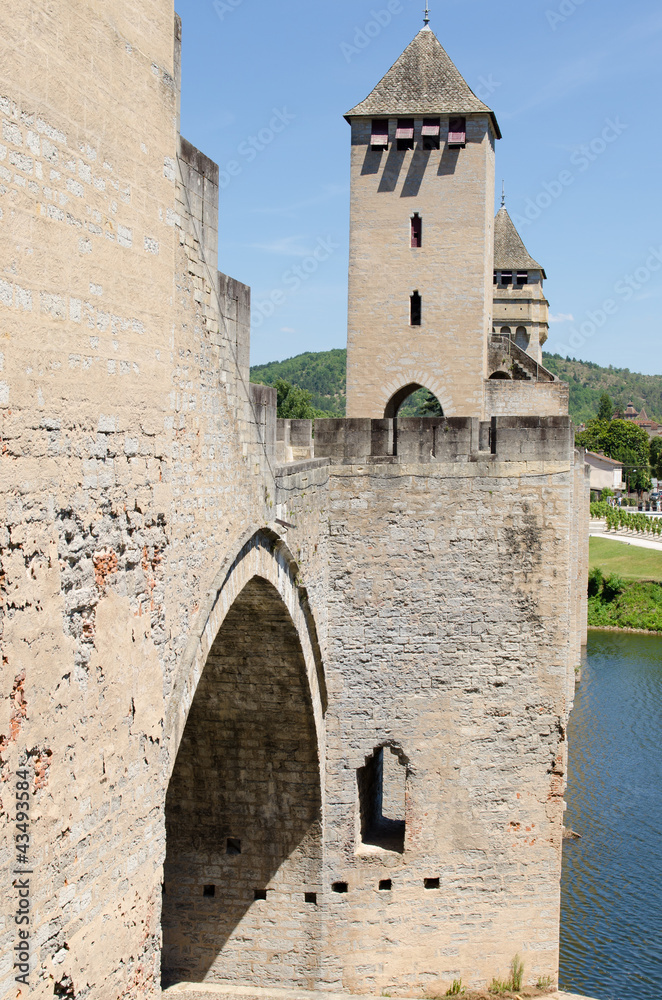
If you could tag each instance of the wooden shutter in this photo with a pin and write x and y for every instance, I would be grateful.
(457, 132)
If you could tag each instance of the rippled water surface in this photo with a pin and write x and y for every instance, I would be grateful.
(611, 927)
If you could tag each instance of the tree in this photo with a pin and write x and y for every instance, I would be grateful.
(623, 441)
(430, 407)
(656, 457)
(593, 437)
(293, 402)
(606, 408)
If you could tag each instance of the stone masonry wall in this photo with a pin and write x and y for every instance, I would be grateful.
(453, 192)
(527, 399)
(135, 462)
(450, 642)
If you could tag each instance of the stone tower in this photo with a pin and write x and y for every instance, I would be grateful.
(521, 310)
(421, 237)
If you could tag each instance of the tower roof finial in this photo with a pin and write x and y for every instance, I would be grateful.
(426, 19)
(503, 194)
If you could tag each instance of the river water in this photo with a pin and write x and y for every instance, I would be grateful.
(611, 922)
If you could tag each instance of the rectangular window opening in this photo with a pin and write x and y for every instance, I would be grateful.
(310, 897)
(457, 133)
(416, 230)
(260, 894)
(339, 887)
(522, 278)
(416, 310)
(382, 800)
(379, 136)
(405, 133)
(233, 846)
(209, 890)
(385, 885)
(430, 133)
(506, 277)
(431, 883)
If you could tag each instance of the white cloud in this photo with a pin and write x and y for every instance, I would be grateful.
(286, 246)
(562, 318)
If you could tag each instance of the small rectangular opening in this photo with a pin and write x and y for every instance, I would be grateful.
(310, 897)
(233, 846)
(260, 894)
(405, 133)
(457, 133)
(431, 883)
(209, 890)
(339, 887)
(416, 310)
(379, 136)
(522, 278)
(430, 133)
(416, 231)
(506, 277)
(385, 885)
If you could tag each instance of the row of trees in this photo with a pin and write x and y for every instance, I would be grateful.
(625, 442)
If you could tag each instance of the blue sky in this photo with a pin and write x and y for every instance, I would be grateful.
(575, 84)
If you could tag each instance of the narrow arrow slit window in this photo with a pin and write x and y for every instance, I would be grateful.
(416, 309)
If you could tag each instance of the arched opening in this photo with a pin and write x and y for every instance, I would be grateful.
(505, 331)
(522, 338)
(243, 810)
(500, 375)
(413, 400)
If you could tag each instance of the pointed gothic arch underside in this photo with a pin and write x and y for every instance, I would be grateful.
(243, 810)
(402, 395)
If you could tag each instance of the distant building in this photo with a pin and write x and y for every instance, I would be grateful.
(641, 419)
(606, 473)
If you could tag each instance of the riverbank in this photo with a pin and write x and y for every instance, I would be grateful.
(625, 587)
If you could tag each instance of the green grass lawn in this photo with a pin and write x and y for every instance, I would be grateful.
(629, 561)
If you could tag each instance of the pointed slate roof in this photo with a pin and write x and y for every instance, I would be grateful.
(424, 81)
(510, 254)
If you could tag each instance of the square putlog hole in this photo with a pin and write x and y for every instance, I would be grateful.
(385, 885)
(339, 886)
(209, 890)
(310, 897)
(431, 883)
(260, 894)
(233, 846)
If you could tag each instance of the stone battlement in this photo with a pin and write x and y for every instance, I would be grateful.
(430, 439)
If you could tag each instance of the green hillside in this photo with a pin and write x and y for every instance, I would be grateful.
(588, 381)
(323, 374)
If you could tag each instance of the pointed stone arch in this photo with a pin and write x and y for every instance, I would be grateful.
(395, 392)
(263, 554)
(243, 808)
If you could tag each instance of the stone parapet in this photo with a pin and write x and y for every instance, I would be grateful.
(452, 439)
